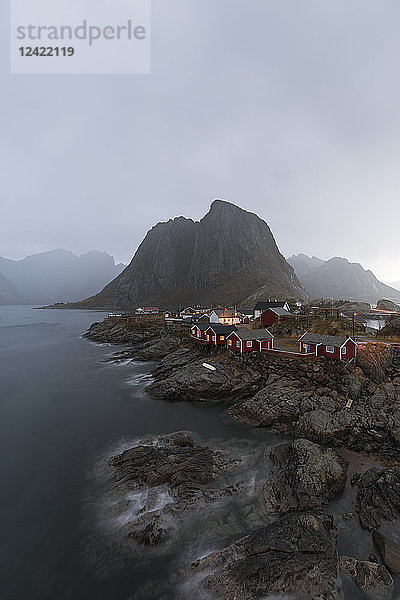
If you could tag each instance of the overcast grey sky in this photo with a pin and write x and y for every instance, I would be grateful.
(288, 108)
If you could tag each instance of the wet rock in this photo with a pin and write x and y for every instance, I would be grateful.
(390, 551)
(176, 462)
(193, 381)
(378, 496)
(158, 350)
(347, 516)
(370, 577)
(179, 438)
(305, 476)
(115, 331)
(320, 425)
(164, 479)
(295, 555)
(168, 365)
(278, 402)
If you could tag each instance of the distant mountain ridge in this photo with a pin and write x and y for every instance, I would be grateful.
(10, 294)
(339, 278)
(223, 258)
(56, 276)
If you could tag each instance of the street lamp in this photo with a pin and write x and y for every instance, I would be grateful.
(354, 332)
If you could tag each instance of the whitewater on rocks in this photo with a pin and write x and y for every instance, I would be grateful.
(314, 515)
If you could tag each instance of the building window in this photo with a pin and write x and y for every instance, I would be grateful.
(305, 346)
(214, 338)
(222, 338)
(199, 334)
(249, 344)
(344, 350)
(229, 342)
(238, 344)
(330, 349)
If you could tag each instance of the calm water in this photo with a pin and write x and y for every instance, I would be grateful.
(62, 411)
(61, 408)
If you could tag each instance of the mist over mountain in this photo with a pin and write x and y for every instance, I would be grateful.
(10, 294)
(57, 276)
(224, 258)
(339, 278)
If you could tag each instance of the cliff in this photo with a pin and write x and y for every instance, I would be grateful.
(224, 258)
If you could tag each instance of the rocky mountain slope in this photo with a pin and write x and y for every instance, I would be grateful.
(223, 258)
(10, 294)
(339, 278)
(58, 276)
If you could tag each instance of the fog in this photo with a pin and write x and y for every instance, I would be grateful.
(288, 108)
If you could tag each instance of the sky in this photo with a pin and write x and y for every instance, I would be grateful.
(288, 108)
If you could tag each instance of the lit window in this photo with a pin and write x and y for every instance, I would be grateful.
(222, 337)
(330, 349)
(229, 342)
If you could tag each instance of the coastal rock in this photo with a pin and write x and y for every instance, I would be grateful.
(390, 551)
(176, 360)
(370, 577)
(378, 496)
(193, 381)
(295, 555)
(278, 402)
(305, 476)
(164, 478)
(293, 403)
(157, 350)
(172, 460)
(116, 331)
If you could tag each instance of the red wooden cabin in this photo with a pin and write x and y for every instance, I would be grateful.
(274, 315)
(211, 334)
(328, 346)
(248, 340)
(218, 333)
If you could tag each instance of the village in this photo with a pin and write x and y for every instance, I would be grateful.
(250, 331)
(281, 328)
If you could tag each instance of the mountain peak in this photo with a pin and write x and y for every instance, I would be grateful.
(340, 278)
(223, 258)
(219, 206)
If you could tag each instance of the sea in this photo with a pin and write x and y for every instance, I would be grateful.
(64, 410)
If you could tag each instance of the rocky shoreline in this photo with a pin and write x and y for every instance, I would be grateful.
(307, 400)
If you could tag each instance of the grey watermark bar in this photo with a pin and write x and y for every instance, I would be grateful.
(71, 36)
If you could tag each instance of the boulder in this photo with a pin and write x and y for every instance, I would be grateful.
(378, 496)
(193, 381)
(161, 481)
(174, 460)
(370, 577)
(295, 556)
(390, 551)
(278, 402)
(304, 476)
(158, 349)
